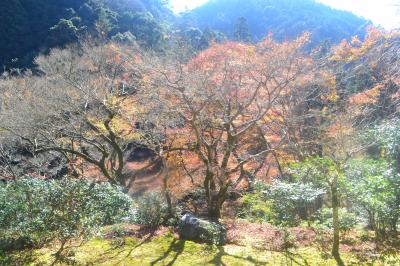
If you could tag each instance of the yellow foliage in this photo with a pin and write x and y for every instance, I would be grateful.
(333, 96)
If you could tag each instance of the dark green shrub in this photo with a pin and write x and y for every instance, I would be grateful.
(213, 233)
(347, 220)
(280, 203)
(373, 188)
(256, 208)
(293, 201)
(42, 211)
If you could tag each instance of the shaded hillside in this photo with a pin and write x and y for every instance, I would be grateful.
(29, 27)
(284, 18)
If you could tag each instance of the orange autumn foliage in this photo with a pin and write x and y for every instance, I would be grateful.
(367, 97)
(230, 97)
(348, 52)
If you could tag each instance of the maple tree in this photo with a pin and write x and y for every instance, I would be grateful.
(224, 98)
(78, 107)
(338, 116)
(368, 74)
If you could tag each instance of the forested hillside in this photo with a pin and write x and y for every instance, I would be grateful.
(30, 27)
(285, 19)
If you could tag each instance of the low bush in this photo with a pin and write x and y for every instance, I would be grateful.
(280, 203)
(40, 211)
(214, 233)
(347, 220)
(373, 189)
(256, 208)
(151, 210)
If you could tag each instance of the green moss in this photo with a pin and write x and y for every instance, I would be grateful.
(167, 250)
(162, 250)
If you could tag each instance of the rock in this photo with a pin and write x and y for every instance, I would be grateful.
(10, 244)
(196, 229)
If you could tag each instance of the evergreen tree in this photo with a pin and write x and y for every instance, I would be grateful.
(63, 33)
(242, 32)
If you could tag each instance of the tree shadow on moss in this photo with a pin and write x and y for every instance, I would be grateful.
(121, 246)
(295, 258)
(217, 260)
(149, 237)
(116, 250)
(176, 246)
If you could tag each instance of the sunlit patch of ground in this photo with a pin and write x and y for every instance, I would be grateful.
(134, 246)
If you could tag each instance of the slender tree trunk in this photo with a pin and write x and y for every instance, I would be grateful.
(393, 224)
(165, 186)
(371, 220)
(336, 233)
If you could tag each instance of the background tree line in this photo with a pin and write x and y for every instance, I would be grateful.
(32, 27)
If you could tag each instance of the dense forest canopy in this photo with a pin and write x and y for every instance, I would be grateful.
(285, 19)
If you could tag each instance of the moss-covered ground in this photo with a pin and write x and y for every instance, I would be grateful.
(167, 249)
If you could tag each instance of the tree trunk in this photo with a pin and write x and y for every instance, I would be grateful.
(336, 233)
(58, 254)
(209, 186)
(371, 220)
(214, 208)
(393, 224)
(217, 199)
(165, 187)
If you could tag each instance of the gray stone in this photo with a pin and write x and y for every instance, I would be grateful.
(196, 229)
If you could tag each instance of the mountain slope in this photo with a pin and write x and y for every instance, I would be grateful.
(28, 27)
(286, 19)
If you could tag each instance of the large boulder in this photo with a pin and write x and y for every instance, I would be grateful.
(200, 230)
